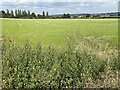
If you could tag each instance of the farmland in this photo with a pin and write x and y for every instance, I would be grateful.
(79, 53)
(56, 31)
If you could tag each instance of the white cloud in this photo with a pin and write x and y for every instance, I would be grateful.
(8, 0)
(36, 7)
(58, 1)
(55, 7)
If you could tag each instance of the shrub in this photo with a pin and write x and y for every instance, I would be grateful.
(36, 67)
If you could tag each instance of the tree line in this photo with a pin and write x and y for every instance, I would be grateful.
(23, 14)
(26, 14)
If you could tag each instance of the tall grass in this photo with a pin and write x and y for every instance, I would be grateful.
(87, 62)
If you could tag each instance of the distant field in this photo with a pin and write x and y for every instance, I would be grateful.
(55, 31)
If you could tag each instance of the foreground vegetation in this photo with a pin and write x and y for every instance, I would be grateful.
(84, 62)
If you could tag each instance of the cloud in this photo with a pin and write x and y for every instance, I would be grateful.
(21, 1)
(62, 7)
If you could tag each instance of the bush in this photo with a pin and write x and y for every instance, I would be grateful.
(36, 67)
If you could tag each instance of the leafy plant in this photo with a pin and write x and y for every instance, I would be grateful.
(30, 66)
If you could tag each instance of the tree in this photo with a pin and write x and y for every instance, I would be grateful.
(47, 14)
(33, 15)
(16, 13)
(29, 16)
(24, 14)
(8, 14)
(12, 14)
(68, 15)
(88, 15)
(43, 14)
(2, 14)
(39, 16)
(20, 13)
(64, 15)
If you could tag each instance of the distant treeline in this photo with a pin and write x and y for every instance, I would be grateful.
(23, 14)
(26, 14)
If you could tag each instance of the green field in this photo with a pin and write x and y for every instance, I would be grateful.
(90, 58)
(55, 31)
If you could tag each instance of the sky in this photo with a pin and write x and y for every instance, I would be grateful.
(61, 6)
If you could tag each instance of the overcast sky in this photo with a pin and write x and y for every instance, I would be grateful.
(61, 6)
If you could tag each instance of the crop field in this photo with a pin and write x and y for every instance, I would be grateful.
(60, 53)
(55, 32)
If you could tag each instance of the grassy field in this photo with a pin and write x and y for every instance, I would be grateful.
(89, 58)
(55, 31)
